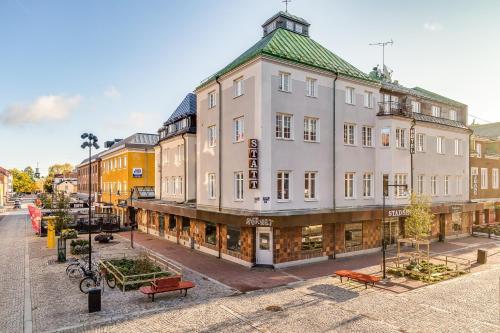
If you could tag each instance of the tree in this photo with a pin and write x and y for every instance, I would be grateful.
(60, 169)
(418, 223)
(61, 206)
(22, 182)
(29, 171)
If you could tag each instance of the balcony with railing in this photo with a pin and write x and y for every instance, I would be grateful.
(394, 108)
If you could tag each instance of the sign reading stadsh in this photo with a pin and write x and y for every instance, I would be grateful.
(253, 164)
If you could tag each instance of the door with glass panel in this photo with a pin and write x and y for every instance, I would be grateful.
(264, 246)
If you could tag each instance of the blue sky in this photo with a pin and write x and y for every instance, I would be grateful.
(119, 67)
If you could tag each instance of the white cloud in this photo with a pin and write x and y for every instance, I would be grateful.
(112, 92)
(433, 26)
(43, 109)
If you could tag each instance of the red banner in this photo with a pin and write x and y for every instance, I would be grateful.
(36, 218)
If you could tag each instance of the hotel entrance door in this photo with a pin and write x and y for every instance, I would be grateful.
(264, 246)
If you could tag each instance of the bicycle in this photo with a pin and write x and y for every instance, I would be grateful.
(94, 279)
(79, 269)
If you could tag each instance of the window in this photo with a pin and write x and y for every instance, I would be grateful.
(212, 135)
(420, 142)
(368, 185)
(311, 87)
(238, 129)
(310, 185)
(285, 82)
(484, 178)
(366, 136)
(353, 236)
(368, 97)
(119, 163)
(436, 111)
(420, 184)
(210, 233)
(440, 145)
(386, 135)
(271, 26)
(233, 238)
(171, 223)
(478, 149)
(238, 185)
(283, 185)
(349, 185)
(212, 101)
(312, 237)
(178, 185)
(434, 190)
(349, 95)
(289, 25)
(125, 162)
(311, 129)
(400, 179)
(211, 185)
(446, 185)
(415, 106)
(453, 115)
(283, 126)
(400, 138)
(494, 178)
(180, 152)
(298, 28)
(459, 185)
(238, 87)
(458, 147)
(349, 134)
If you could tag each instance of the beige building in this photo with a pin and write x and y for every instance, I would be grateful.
(67, 186)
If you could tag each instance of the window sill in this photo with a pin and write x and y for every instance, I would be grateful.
(212, 198)
(368, 146)
(284, 139)
(369, 198)
(353, 198)
(239, 141)
(310, 141)
(283, 200)
(238, 200)
(234, 97)
(285, 91)
(368, 107)
(351, 104)
(311, 200)
(310, 96)
(350, 145)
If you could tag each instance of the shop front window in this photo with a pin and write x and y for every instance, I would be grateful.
(353, 237)
(233, 239)
(185, 224)
(456, 219)
(312, 237)
(210, 233)
(171, 223)
(391, 230)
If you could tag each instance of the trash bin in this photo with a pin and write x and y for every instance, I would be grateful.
(94, 300)
(482, 256)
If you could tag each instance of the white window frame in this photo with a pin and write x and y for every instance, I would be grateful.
(280, 176)
(368, 99)
(420, 142)
(238, 186)
(494, 178)
(400, 179)
(416, 107)
(238, 87)
(367, 136)
(382, 134)
(311, 129)
(349, 185)
(484, 178)
(212, 99)
(446, 185)
(310, 186)
(211, 186)
(420, 184)
(440, 145)
(349, 134)
(212, 136)
(458, 147)
(311, 87)
(434, 185)
(478, 150)
(350, 96)
(436, 111)
(238, 129)
(400, 138)
(453, 115)
(368, 185)
(280, 126)
(285, 82)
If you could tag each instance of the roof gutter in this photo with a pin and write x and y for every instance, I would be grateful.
(220, 142)
(185, 167)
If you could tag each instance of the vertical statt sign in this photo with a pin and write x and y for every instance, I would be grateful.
(253, 164)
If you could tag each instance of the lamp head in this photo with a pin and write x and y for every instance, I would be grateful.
(84, 135)
(96, 146)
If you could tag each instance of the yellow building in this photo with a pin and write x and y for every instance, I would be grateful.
(125, 165)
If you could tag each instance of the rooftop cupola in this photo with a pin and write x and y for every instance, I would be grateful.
(287, 21)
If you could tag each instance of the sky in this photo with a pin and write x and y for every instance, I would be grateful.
(118, 67)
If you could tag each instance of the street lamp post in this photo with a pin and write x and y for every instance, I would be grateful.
(384, 243)
(90, 140)
(132, 223)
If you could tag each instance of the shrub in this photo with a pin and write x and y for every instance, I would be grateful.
(79, 246)
(69, 234)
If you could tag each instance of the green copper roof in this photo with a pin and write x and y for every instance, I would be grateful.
(436, 97)
(291, 46)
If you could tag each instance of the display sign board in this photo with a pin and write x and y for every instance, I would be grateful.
(456, 208)
(137, 172)
(253, 164)
(398, 212)
(412, 140)
(259, 222)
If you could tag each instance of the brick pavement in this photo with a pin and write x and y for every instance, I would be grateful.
(12, 250)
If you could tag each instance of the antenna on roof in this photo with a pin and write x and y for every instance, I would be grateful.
(383, 44)
(286, 4)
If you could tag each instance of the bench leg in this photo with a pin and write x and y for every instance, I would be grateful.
(340, 279)
(185, 292)
(153, 298)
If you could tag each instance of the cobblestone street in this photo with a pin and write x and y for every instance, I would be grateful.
(467, 303)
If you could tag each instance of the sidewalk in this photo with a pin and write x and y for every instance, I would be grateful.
(248, 279)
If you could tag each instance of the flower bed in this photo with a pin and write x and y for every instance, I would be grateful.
(69, 234)
(425, 271)
(79, 246)
(132, 273)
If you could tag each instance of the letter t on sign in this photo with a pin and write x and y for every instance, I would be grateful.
(253, 164)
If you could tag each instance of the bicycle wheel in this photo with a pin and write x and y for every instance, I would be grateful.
(86, 284)
(71, 267)
(110, 281)
(75, 273)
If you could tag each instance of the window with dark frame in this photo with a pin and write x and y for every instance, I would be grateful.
(186, 224)
(312, 237)
(353, 236)
(210, 233)
(171, 223)
(233, 239)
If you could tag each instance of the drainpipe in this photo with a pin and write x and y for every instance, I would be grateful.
(161, 169)
(413, 123)
(185, 167)
(220, 141)
(333, 161)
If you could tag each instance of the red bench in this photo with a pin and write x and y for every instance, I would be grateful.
(166, 284)
(360, 277)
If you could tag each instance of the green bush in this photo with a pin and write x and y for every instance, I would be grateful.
(141, 266)
(79, 246)
(69, 234)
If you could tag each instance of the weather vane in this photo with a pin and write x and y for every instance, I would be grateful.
(286, 4)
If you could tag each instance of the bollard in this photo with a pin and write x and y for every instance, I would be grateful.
(482, 256)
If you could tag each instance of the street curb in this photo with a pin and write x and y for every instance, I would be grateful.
(27, 319)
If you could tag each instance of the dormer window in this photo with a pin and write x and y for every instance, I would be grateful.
(286, 21)
(289, 25)
(271, 26)
(298, 28)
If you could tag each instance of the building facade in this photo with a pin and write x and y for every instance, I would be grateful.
(294, 148)
(82, 171)
(126, 164)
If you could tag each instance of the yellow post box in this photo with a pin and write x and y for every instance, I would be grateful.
(51, 232)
